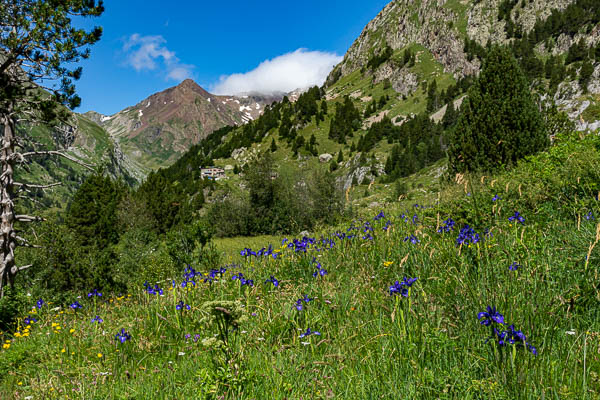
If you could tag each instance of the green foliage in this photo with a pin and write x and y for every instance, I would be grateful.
(587, 69)
(92, 214)
(57, 44)
(450, 117)
(277, 201)
(346, 121)
(433, 98)
(307, 104)
(63, 264)
(376, 60)
(11, 306)
(400, 189)
(184, 241)
(333, 165)
(499, 122)
(172, 196)
(568, 20)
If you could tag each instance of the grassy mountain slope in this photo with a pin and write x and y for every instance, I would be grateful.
(85, 141)
(411, 45)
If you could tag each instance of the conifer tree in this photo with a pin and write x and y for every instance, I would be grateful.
(450, 116)
(585, 74)
(332, 166)
(499, 122)
(273, 146)
(432, 97)
(340, 157)
(38, 47)
(324, 107)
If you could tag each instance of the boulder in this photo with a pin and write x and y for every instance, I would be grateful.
(325, 158)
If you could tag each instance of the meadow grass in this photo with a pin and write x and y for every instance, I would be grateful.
(240, 341)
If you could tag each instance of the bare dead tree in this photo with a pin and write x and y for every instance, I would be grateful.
(37, 40)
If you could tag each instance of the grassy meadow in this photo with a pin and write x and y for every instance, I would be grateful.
(340, 315)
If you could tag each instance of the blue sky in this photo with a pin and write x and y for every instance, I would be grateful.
(150, 45)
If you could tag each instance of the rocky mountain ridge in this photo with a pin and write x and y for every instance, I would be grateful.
(441, 27)
(157, 130)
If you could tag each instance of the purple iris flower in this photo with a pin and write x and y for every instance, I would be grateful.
(490, 316)
(309, 332)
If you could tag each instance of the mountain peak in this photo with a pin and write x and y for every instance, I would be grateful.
(189, 84)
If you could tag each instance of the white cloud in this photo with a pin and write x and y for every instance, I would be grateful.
(299, 69)
(150, 53)
(181, 72)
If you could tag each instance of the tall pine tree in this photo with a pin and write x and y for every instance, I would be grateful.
(499, 122)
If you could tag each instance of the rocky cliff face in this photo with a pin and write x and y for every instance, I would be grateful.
(440, 26)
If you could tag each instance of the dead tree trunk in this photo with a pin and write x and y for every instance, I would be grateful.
(8, 236)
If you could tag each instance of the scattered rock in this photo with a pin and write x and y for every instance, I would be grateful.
(238, 152)
(325, 158)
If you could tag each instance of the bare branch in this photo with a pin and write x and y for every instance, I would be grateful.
(26, 186)
(28, 218)
(25, 243)
(16, 269)
(29, 198)
(56, 153)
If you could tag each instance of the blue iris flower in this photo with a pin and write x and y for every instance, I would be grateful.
(243, 281)
(153, 290)
(511, 336)
(97, 319)
(95, 293)
(413, 239)
(490, 316)
(467, 235)
(123, 336)
(181, 306)
(517, 217)
(447, 226)
(320, 271)
(76, 305)
(589, 216)
(299, 306)
(514, 266)
(402, 288)
(273, 280)
(40, 303)
(309, 332)
(379, 216)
